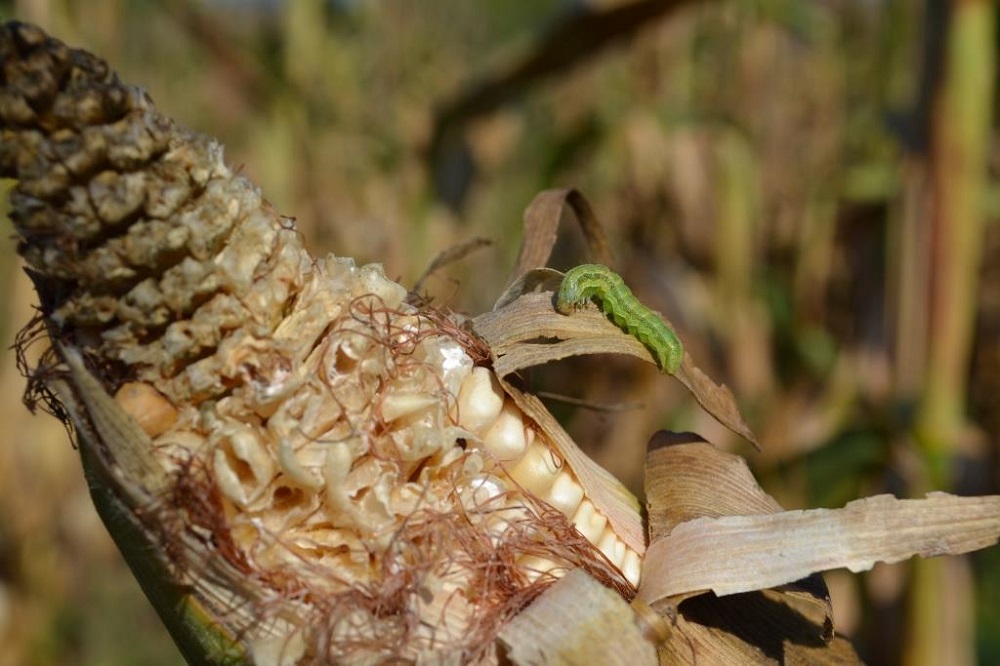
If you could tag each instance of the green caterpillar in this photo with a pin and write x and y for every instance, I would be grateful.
(594, 281)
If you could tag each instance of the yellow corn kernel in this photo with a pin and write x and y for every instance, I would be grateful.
(480, 400)
(565, 494)
(507, 438)
(537, 470)
(589, 522)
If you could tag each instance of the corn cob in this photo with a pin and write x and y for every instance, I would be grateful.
(348, 453)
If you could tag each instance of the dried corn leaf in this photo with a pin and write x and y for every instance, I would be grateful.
(718, 543)
(527, 331)
(128, 446)
(688, 479)
(578, 621)
(541, 227)
(740, 553)
(713, 528)
(524, 328)
(534, 281)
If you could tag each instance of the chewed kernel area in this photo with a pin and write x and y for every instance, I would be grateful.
(379, 441)
(308, 418)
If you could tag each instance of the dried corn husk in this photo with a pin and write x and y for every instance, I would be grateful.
(740, 575)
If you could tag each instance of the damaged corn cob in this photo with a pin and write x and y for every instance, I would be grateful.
(349, 456)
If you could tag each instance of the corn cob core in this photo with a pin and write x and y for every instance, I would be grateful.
(322, 412)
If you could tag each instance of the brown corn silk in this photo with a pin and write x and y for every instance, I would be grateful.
(272, 439)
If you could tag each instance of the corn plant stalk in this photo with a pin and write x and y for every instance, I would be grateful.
(962, 125)
(735, 259)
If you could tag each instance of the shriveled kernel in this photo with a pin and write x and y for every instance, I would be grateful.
(537, 470)
(150, 408)
(229, 479)
(335, 470)
(294, 468)
(399, 404)
(506, 438)
(480, 400)
(375, 282)
(242, 464)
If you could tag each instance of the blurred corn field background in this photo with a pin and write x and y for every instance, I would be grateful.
(807, 189)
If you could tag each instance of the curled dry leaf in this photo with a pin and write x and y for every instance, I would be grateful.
(733, 554)
(689, 479)
(525, 330)
(541, 227)
(724, 554)
(450, 256)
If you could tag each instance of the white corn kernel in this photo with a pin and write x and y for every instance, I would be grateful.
(227, 479)
(566, 493)
(480, 400)
(631, 566)
(242, 464)
(506, 438)
(295, 470)
(536, 566)
(589, 522)
(537, 470)
(612, 547)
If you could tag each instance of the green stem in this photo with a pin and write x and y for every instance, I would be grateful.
(962, 126)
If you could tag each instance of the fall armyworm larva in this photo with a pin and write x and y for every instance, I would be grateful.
(594, 281)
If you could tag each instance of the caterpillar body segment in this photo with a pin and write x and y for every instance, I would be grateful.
(596, 282)
(587, 281)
